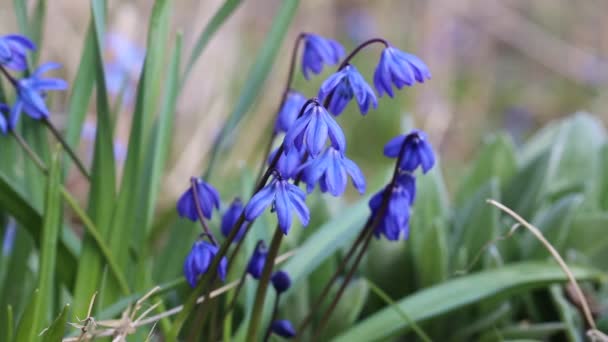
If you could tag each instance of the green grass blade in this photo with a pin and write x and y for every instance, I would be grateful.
(27, 323)
(56, 331)
(255, 79)
(461, 292)
(10, 323)
(210, 29)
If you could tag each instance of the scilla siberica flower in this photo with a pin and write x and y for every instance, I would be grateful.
(289, 111)
(319, 51)
(281, 281)
(398, 68)
(416, 152)
(285, 197)
(4, 109)
(313, 128)
(331, 171)
(394, 223)
(289, 163)
(230, 218)
(208, 196)
(31, 92)
(283, 328)
(258, 260)
(199, 260)
(13, 51)
(345, 84)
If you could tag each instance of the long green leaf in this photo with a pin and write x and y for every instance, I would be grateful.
(461, 292)
(27, 323)
(56, 331)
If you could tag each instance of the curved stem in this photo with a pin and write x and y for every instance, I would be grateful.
(361, 47)
(275, 310)
(33, 156)
(68, 149)
(9, 76)
(199, 211)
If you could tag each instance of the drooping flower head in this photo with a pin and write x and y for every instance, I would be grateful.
(416, 152)
(285, 198)
(290, 110)
(289, 162)
(398, 68)
(313, 128)
(342, 86)
(283, 328)
(208, 196)
(258, 260)
(31, 92)
(13, 51)
(319, 51)
(4, 110)
(331, 171)
(199, 260)
(394, 223)
(230, 218)
(281, 281)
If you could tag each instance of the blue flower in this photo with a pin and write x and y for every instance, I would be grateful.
(13, 50)
(288, 163)
(398, 68)
(314, 127)
(4, 109)
(416, 152)
(342, 86)
(283, 328)
(331, 171)
(230, 218)
(258, 260)
(394, 223)
(281, 281)
(290, 110)
(208, 196)
(319, 51)
(198, 262)
(31, 92)
(285, 197)
(123, 66)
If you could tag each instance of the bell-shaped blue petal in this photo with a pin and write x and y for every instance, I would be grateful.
(199, 259)
(258, 260)
(398, 68)
(4, 110)
(283, 328)
(331, 171)
(417, 151)
(319, 51)
(289, 111)
(394, 223)
(230, 218)
(31, 92)
(311, 131)
(13, 51)
(288, 163)
(281, 281)
(285, 198)
(208, 197)
(342, 86)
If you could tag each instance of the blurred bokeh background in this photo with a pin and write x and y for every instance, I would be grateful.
(510, 64)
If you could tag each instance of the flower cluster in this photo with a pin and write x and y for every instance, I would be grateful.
(30, 91)
(393, 203)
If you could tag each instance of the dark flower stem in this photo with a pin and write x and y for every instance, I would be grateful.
(275, 310)
(199, 211)
(33, 156)
(9, 76)
(359, 48)
(68, 149)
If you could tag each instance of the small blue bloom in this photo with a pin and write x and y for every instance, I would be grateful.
(281, 281)
(398, 68)
(8, 242)
(230, 218)
(208, 196)
(319, 51)
(394, 223)
(314, 127)
(4, 109)
(283, 328)
(331, 171)
(288, 163)
(198, 261)
(416, 152)
(258, 260)
(290, 110)
(345, 84)
(13, 51)
(285, 197)
(31, 92)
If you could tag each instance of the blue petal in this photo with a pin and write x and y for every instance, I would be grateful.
(44, 68)
(15, 114)
(299, 126)
(260, 201)
(3, 124)
(336, 135)
(316, 134)
(393, 147)
(283, 207)
(297, 197)
(23, 41)
(427, 157)
(356, 175)
(49, 84)
(223, 268)
(335, 176)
